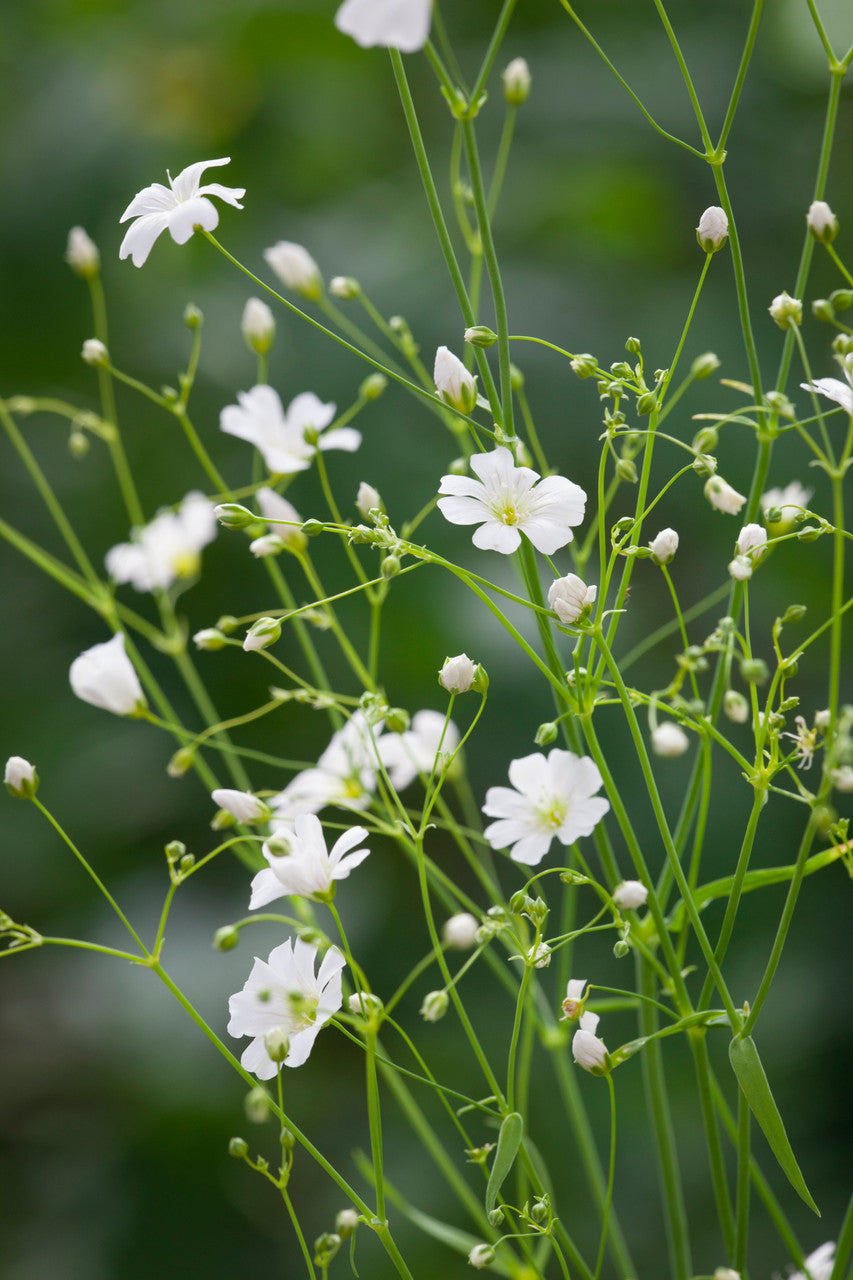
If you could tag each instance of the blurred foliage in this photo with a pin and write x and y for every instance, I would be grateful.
(115, 1115)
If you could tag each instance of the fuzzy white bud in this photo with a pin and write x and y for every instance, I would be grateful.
(740, 568)
(630, 894)
(457, 674)
(295, 268)
(516, 78)
(480, 1256)
(786, 311)
(664, 546)
(454, 384)
(95, 352)
(570, 598)
(669, 741)
(460, 931)
(21, 778)
(82, 254)
(368, 499)
(713, 229)
(258, 325)
(822, 222)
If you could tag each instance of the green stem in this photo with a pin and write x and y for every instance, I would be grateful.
(743, 1184)
(611, 1171)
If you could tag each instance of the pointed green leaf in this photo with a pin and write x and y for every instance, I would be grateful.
(509, 1140)
(746, 1065)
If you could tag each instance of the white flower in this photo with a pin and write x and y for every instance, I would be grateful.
(630, 894)
(395, 24)
(506, 502)
(457, 674)
(785, 310)
(345, 774)
(790, 502)
(283, 994)
(840, 392)
(570, 597)
(740, 568)
(82, 254)
(818, 1264)
(587, 1050)
(295, 268)
(367, 500)
(258, 325)
(260, 418)
(713, 229)
(723, 496)
(242, 805)
(306, 869)
(167, 548)
(182, 206)
(552, 797)
(460, 931)
(22, 780)
(822, 222)
(516, 78)
(456, 386)
(269, 544)
(94, 352)
(669, 740)
(751, 541)
(285, 519)
(664, 546)
(806, 740)
(573, 1004)
(105, 676)
(842, 778)
(413, 752)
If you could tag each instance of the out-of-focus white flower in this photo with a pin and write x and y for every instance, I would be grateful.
(345, 774)
(506, 501)
(210, 639)
(552, 797)
(669, 740)
(242, 805)
(457, 674)
(819, 1264)
(786, 311)
(283, 994)
(740, 568)
(413, 752)
(392, 24)
(456, 386)
(713, 229)
(842, 777)
(105, 677)
(281, 437)
(300, 864)
(82, 254)
(840, 392)
(822, 719)
(22, 782)
(664, 546)
(345, 287)
(434, 1006)
(806, 742)
(587, 1050)
(367, 500)
(630, 894)
(751, 541)
(277, 509)
(480, 1256)
(94, 352)
(268, 544)
(723, 496)
(573, 1003)
(295, 268)
(822, 222)
(180, 207)
(735, 706)
(258, 325)
(166, 549)
(460, 931)
(570, 597)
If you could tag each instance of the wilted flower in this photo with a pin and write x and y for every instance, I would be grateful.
(552, 797)
(822, 222)
(394, 24)
(789, 502)
(167, 548)
(573, 1004)
(664, 546)
(295, 268)
(283, 994)
(82, 254)
(413, 752)
(713, 229)
(570, 598)
(182, 206)
(105, 677)
(345, 774)
(281, 437)
(457, 674)
(300, 864)
(587, 1050)
(460, 931)
(22, 782)
(242, 805)
(455, 385)
(506, 501)
(94, 352)
(630, 894)
(723, 496)
(258, 325)
(669, 740)
(786, 311)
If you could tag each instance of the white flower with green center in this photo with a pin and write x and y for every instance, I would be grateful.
(413, 752)
(180, 208)
(283, 994)
(301, 865)
(395, 24)
(553, 796)
(344, 775)
(506, 501)
(167, 549)
(287, 441)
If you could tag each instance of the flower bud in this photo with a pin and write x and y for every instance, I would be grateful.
(82, 254)
(95, 352)
(269, 544)
(325, 1248)
(262, 634)
(373, 386)
(344, 287)
(703, 366)
(364, 1002)
(726, 1273)
(242, 805)
(786, 311)
(457, 674)
(277, 1044)
(434, 1006)
(571, 599)
(630, 894)
(21, 778)
(238, 1147)
(587, 1050)
(256, 1105)
(585, 365)
(210, 639)
(740, 568)
(368, 499)
(626, 470)
(516, 378)
(480, 1256)
(546, 734)
(231, 515)
(226, 938)
(390, 567)
(516, 78)
(454, 384)
(295, 268)
(704, 465)
(842, 778)
(822, 222)
(480, 335)
(346, 1223)
(723, 496)
(647, 403)
(822, 309)
(192, 317)
(713, 229)
(664, 546)
(460, 931)
(751, 541)
(669, 741)
(754, 670)
(105, 677)
(620, 949)
(735, 706)
(258, 326)
(78, 444)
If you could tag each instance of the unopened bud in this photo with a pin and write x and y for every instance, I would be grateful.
(231, 515)
(344, 287)
(95, 353)
(516, 78)
(373, 386)
(238, 1147)
(325, 1248)
(713, 229)
(481, 1255)
(434, 1006)
(735, 706)
(277, 1044)
(346, 1223)
(480, 335)
(786, 311)
(261, 634)
(546, 734)
(703, 366)
(82, 254)
(754, 670)
(181, 762)
(226, 938)
(647, 403)
(258, 326)
(822, 222)
(585, 365)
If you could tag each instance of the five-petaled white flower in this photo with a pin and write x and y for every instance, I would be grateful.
(587, 1050)
(281, 437)
(300, 864)
(167, 548)
(104, 676)
(506, 501)
(394, 24)
(414, 751)
(182, 206)
(552, 797)
(345, 774)
(283, 994)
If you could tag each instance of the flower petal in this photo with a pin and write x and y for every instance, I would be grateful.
(186, 216)
(139, 238)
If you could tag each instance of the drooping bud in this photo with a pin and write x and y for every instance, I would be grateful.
(587, 1050)
(723, 496)
(713, 229)
(226, 938)
(242, 805)
(373, 386)
(277, 1044)
(346, 1223)
(585, 365)
(480, 1256)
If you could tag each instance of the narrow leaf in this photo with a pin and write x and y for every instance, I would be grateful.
(746, 1065)
(509, 1141)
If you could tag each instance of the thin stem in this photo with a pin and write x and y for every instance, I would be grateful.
(610, 1174)
(743, 1183)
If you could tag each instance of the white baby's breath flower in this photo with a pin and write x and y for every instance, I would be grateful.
(345, 774)
(460, 931)
(300, 864)
(242, 805)
(713, 229)
(283, 994)
(506, 501)
(105, 677)
(167, 549)
(552, 797)
(723, 496)
(668, 740)
(819, 1264)
(413, 752)
(573, 1004)
(842, 778)
(281, 437)
(94, 352)
(286, 522)
(457, 674)
(82, 254)
(664, 546)
(822, 222)
(806, 742)
(630, 894)
(571, 598)
(835, 390)
(587, 1050)
(258, 325)
(786, 311)
(456, 386)
(394, 24)
(180, 207)
(21, 779)
(751, 541)
(295, 268)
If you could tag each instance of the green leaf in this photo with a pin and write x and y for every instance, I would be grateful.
(746, 1065)
(509, 1140)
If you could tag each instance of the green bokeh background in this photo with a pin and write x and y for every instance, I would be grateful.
(114, 1113)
